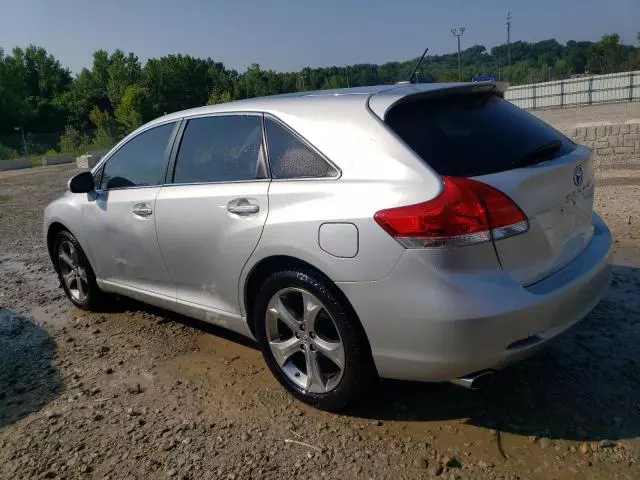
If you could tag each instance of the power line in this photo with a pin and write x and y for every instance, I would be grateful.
(458, 32)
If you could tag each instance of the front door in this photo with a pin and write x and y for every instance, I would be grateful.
(120, 219)
(210, 217)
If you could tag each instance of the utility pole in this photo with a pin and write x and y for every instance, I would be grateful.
(509, 38)
(346, 70)
(458, 32)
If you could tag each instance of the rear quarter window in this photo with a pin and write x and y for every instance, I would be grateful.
(474, 134)
(290, 157)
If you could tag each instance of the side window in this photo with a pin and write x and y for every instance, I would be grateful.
(290, 157)
(140, 162)
(223, 148)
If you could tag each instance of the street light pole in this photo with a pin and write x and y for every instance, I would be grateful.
(458, 32)
(346, 70)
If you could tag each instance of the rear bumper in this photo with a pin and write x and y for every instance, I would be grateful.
(428, 323)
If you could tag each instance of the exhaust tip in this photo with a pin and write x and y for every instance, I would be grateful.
(474, 381)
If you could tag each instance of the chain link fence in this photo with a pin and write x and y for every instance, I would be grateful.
(29, 147)
(29, 144)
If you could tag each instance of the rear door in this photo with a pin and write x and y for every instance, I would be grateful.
(481, 135)
(210, 216)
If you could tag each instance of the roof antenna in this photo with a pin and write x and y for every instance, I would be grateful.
(415, 70)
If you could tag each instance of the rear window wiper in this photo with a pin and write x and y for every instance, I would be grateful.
(538, 153)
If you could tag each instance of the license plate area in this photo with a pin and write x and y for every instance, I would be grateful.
(573, 217)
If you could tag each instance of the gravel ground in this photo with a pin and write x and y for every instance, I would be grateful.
(141, 393)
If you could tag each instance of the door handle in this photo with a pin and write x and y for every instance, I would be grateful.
(243, 207)
(142, 210)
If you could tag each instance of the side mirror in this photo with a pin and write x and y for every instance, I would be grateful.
(81, 183)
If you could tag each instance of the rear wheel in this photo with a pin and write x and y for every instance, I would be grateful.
(75, 273)
(311, 340)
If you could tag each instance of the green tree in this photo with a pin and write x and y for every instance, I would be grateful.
(100, 72)
(176, 82)
(219, 95)
(106, 129)
(134, 110)
(72, 141)
(123, 71)
(605, 56)
(89, 89)
(31, 80)
(14, 109)
(7, 153)
(335, 81)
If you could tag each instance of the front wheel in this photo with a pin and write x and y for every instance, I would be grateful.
(312, 341)
(75, 273)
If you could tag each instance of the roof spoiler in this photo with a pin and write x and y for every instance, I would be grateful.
(380, 103)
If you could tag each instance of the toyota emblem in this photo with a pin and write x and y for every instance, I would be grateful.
(578, 176)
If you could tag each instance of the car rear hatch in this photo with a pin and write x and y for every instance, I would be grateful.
(473, 132)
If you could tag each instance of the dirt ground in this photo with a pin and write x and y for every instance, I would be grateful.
(141, 393)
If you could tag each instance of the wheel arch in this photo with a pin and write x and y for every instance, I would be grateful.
(269, 265)
(53, 229)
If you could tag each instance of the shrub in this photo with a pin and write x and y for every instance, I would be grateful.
(7, 153)
(72, 141)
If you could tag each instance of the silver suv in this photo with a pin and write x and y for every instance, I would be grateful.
(421, 232)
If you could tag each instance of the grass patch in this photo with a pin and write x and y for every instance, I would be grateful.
(4, 198)
(36, 160)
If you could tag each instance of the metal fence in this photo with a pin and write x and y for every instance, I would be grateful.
(583, 90)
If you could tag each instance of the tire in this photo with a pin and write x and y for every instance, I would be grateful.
(82, 290)
(340, 375)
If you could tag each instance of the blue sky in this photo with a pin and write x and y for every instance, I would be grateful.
(289, 34)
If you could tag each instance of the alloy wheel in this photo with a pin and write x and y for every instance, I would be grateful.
(304, 340)
(73, 274)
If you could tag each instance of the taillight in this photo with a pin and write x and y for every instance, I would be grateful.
(466, 212)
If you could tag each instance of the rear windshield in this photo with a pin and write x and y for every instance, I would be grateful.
(475, 134)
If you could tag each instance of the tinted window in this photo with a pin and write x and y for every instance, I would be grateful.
(289, 157)
(475, 134)
(141, 161)
(221, 149)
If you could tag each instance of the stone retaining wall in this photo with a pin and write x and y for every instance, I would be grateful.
(608, 139)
